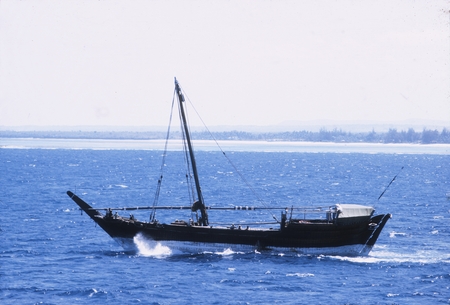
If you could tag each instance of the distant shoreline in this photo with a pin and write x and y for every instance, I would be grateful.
(225, 145)
(426, 136)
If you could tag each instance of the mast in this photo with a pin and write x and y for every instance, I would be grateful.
(198, 205)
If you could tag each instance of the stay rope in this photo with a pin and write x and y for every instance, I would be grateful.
(161, 170)
(373, 232)
(229, 160)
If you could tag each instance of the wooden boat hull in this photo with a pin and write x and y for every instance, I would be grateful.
(355, 238)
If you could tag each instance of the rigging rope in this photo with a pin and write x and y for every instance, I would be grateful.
(163, 162)
(229, 160)
(393, 179)
(373, 232)
(186, 157)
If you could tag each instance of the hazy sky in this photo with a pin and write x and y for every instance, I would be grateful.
(240, 62)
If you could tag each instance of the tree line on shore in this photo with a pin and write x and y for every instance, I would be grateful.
(426, 136)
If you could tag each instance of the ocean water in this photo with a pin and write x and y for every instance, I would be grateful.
(50, 253)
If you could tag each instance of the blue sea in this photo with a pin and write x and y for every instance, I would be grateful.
(51, 253)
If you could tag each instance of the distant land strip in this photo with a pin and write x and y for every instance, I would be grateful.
(426, 136)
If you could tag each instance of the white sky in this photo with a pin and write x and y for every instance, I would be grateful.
(240, 62)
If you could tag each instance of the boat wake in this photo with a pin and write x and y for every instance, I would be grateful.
(381, 255)
(149, 248)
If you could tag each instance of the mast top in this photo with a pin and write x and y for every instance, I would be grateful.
(177, 88)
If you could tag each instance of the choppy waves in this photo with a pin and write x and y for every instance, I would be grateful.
(52, 254)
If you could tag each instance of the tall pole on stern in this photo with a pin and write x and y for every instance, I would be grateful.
(198, 204)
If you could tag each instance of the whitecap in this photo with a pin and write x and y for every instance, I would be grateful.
(395, 234)
(226, 252)
(300, 274)
(94, 291)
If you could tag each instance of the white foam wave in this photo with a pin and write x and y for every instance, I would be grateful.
(228, 252)
(150, 248)
(300, 274)
(378, 256)
(394, 234)
(94, 291)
